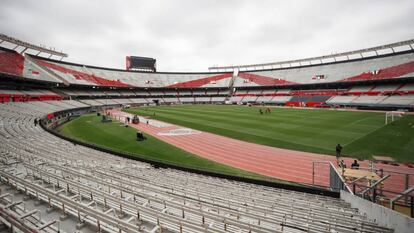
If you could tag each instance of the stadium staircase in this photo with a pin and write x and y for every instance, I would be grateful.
(231, 85)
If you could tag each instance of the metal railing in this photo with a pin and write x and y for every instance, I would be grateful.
(373, 187)
(336, 181)
(371, 191)
(26, 46)
(382, 196)
(401, 195)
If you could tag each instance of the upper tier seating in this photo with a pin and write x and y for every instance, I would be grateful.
(34, 71)
(396, 66)
(385, 67)
(220, 80)
(79, 74)
(11, 62)
(249, 78)
(399, 70)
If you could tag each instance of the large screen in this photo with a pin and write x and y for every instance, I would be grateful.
(140, 63)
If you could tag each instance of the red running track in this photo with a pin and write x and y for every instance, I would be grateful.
(289, 165)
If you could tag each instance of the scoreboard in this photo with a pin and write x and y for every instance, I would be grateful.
(141, 63)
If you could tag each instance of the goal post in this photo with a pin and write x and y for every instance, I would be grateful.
(392, 115)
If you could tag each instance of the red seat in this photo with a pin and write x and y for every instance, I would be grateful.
(202, 81)
(390, 72)
(11, 63)
(99, 81)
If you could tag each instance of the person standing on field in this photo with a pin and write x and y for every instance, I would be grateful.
(338, 151)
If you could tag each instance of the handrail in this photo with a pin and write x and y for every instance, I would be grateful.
(374, 185)
(398, 197)
(360, 178)
(354, 183)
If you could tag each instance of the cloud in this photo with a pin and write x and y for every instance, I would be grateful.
(186, 35)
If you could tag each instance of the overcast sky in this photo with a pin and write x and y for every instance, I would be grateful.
(191, 35)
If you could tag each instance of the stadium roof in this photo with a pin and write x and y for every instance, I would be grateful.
(361, 53)
(26, 46)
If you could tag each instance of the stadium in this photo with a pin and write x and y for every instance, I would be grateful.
(316, 144)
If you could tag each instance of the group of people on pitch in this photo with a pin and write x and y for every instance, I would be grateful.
(354, 165)
(266, 111)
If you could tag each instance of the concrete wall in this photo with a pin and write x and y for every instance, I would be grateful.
(383, 216)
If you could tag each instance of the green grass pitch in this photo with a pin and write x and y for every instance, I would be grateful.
(362, 134)
(115, 136)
